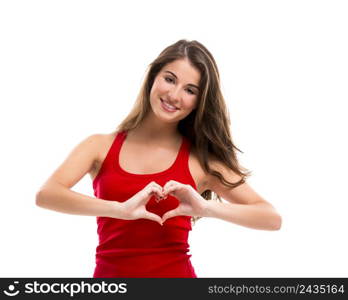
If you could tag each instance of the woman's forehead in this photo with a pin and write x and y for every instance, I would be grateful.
(183, 70)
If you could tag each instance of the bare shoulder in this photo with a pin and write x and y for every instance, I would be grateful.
(78, 162)
(209, 181)
(94, 144)
(105, 139)
(97, 142)
(103, 142)
(214, 183)
(197, 171)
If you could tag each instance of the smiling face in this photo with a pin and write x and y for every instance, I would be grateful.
(174, 93)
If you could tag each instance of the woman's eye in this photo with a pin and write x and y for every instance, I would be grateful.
(170, 80)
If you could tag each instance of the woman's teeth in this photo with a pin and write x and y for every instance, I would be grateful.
(168, 106)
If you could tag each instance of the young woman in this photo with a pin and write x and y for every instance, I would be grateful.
(153, 175)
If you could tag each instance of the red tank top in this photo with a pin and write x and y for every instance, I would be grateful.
(142, 248)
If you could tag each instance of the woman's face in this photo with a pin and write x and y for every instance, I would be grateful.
(174, 93)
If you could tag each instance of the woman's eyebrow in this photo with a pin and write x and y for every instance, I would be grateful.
(190, 84)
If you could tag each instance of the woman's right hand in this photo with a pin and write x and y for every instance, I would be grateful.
(134, 208)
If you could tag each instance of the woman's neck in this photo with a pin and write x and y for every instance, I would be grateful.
(153, 129)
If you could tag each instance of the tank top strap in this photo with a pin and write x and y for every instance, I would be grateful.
(183, 156)
(115, 148)
(182, 167)
(108, 163)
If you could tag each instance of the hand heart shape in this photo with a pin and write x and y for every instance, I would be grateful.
(190, 202)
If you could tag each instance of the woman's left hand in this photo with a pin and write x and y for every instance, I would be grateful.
(190, 202)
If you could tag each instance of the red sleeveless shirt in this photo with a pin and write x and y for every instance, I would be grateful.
(142, 247)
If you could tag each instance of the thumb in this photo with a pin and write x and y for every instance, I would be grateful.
(153, 217)
(146, 194)
(170, 214)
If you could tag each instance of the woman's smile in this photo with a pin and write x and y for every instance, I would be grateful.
(167, 107)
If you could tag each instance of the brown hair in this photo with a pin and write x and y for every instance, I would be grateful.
(207, 127)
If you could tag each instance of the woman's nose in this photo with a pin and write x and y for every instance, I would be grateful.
(174, 94)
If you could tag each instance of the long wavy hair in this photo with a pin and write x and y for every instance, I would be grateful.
(207, 126)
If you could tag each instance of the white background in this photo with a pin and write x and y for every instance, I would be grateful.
(69, 69)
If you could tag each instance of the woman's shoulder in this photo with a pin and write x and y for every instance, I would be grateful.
(211, 159)
(101, 139)
(197, 170)
(105, 140)
(208, 180)
(98, 141)
(102, 143)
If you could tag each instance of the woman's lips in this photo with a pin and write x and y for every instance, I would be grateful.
(166, 108)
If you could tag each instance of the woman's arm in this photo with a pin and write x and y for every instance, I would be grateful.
(256, 216)
(55, 193)
(244, 207)
(59, 198)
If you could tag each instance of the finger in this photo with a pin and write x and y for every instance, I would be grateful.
(159, 194)
(170, 214)
(153, 217)
(148, 192)
(156, 190)
(170, 190)
(169, 184)
(154, 183)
